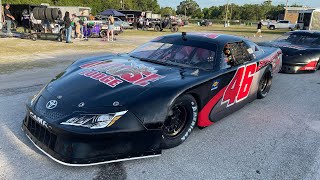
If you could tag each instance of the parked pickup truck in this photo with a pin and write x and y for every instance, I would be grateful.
(282, 24)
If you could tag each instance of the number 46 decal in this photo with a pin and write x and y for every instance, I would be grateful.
(239, 87)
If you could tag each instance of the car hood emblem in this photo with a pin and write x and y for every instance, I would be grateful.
(51, 104)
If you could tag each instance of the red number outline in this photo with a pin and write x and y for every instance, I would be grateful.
(234, 81)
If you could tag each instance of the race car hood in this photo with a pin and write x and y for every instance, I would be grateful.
(294, 53)
(108, 81)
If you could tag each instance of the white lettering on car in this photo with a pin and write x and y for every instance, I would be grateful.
(39, 120)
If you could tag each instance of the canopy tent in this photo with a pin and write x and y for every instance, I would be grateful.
(112, 12)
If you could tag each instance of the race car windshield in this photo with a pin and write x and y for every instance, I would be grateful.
(300, 39)
(185, 56)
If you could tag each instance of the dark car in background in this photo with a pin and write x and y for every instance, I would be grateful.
(301, 51)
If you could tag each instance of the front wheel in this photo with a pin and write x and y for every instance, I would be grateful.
(265, 83)
(180, 121)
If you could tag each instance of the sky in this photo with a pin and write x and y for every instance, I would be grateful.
(209, 3)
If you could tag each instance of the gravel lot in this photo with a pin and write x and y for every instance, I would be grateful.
(274, 138)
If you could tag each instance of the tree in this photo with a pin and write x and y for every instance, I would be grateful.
(188, 7)
(167, 10)
(146, 5)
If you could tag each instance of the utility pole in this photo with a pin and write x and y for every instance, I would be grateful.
(285, 12)
(226, 20)
(122, 4)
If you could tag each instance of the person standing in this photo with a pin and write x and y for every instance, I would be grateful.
(8, 17)
(82, 22)
(25, 21)
(76, 23)
(67, 25)
(259, 26)
(110, 27)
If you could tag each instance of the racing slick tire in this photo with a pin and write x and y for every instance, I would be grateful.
(35, 12)
(56, 13)
(42, 13)
(157, 28)
(48, 14)
(181, 120)
(265, 83)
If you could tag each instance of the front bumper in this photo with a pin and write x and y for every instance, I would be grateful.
(73, 149)
(296, 68)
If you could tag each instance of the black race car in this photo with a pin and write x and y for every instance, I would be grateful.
(129, 106)
(301, 51)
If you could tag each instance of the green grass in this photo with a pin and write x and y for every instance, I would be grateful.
(234, 30)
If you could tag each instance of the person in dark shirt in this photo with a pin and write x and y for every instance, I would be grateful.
(67, 25)
(259, 26)
(8, 17)
(25, 18)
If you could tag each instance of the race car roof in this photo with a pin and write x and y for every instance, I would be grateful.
(305, 32)
(205, 39)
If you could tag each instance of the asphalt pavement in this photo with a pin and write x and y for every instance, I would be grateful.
(274, 138)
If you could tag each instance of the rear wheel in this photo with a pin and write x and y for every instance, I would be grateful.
(272, 27)
(265, 83)
(180, 121)
(103, 33)
(157, 28)
(174, 29)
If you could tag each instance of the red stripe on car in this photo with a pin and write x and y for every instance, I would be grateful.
(203, 118)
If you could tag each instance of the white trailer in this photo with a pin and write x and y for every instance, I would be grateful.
(309, 19)
(150, 15)
(78, 10)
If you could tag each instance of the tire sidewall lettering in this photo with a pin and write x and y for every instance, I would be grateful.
(194, 121)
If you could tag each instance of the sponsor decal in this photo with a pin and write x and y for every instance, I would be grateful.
(113, 74)
(310, 66)
(39, 120)
(208, 35)
(240, 85)
(269, 60)
(215, 85)
(51, 104)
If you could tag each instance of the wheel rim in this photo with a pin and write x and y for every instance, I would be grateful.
(176, 122)
(264, 83)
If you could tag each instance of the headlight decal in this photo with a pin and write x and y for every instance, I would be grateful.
(95, 121)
